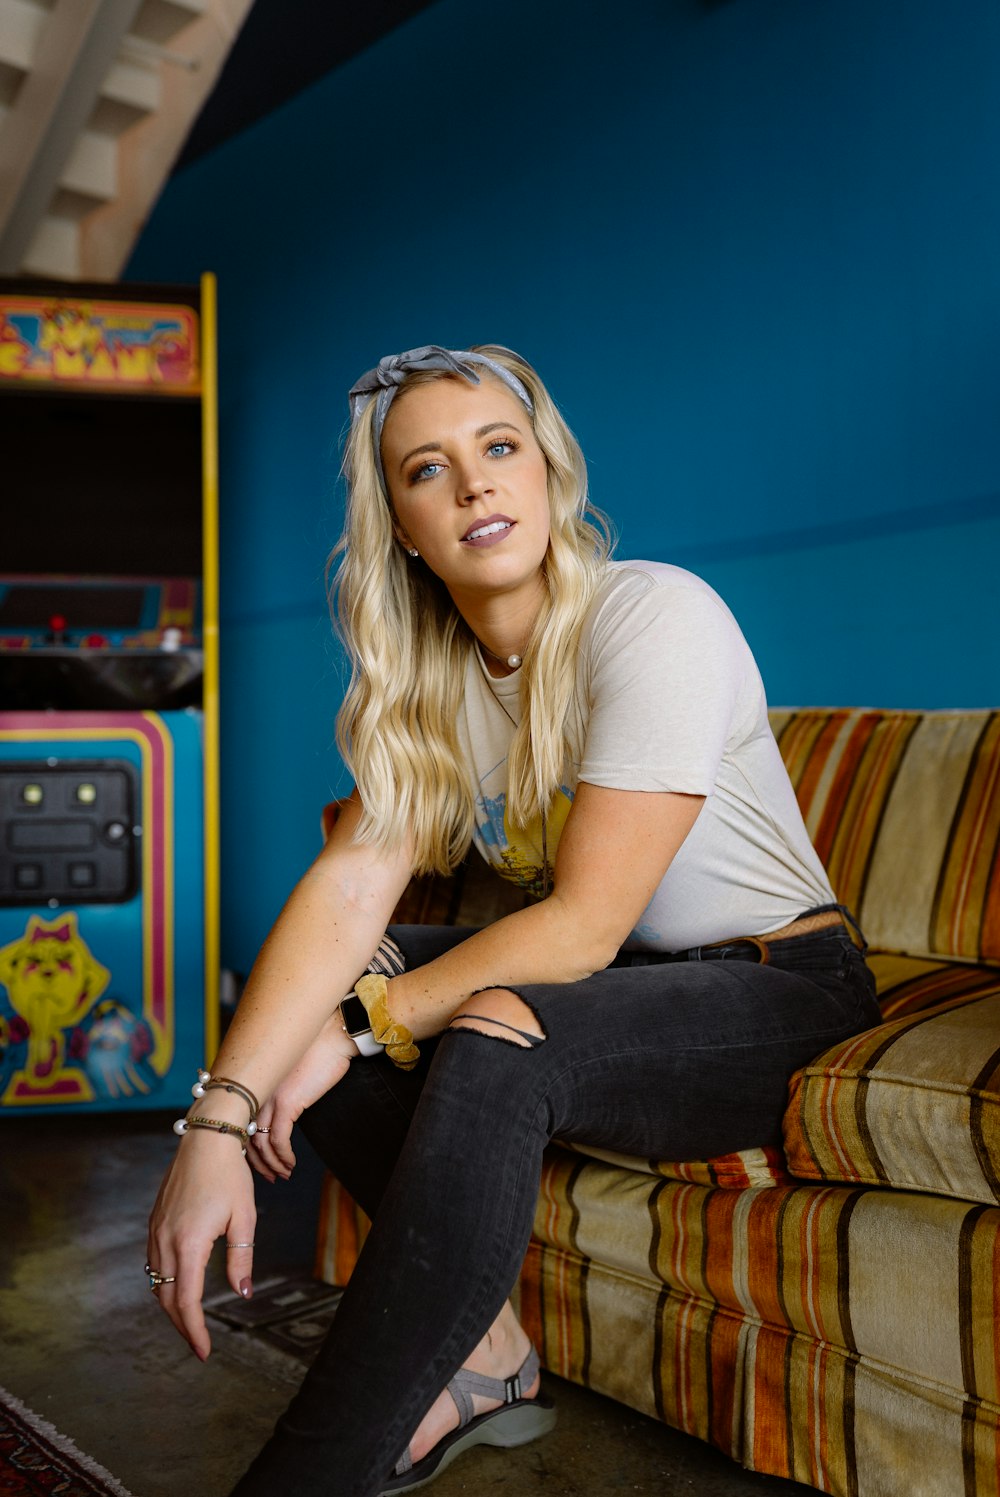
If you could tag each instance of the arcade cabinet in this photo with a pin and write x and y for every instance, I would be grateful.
(109, 887)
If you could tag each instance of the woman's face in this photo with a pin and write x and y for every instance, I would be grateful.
(468, 483)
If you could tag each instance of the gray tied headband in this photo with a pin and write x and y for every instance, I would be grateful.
(384, 381)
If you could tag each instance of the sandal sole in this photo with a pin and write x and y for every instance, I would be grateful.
(507, 1427)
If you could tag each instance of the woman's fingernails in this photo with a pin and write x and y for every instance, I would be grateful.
(246, 1288)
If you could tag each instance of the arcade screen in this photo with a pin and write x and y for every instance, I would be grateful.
(100, 485)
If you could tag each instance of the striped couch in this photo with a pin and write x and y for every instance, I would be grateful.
(832, 1313)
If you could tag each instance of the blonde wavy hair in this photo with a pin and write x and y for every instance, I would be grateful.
(409, 648)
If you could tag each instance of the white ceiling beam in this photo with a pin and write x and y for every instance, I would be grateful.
(134, 84)
(21, 26)
(160, 20)
(54, 250)
(72, 59)
(148, 149)
(92, 167)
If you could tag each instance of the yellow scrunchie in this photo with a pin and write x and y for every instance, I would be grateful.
(373, 991)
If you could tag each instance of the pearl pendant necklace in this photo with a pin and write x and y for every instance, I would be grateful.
(511, 661)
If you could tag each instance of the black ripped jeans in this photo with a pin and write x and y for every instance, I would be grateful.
(679, 1061)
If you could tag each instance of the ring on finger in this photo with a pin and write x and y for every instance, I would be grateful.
(156, 1279)
(240, 1244)
(263, 1130)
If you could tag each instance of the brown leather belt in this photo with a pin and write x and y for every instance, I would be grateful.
(805, 925)
(755, 948)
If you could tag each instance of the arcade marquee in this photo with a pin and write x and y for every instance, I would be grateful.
(109, 952)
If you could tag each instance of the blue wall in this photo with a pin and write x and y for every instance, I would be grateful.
(751, 246)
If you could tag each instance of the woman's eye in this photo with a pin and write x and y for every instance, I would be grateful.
(426, 470)
(500, 449)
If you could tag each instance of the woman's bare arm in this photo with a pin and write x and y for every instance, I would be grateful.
(614, 850)
(321, 942)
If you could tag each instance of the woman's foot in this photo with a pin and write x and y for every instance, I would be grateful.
(508, 1420)
(500, 1354)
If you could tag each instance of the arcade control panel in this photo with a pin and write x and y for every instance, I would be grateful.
(102, 643)
(70, 832)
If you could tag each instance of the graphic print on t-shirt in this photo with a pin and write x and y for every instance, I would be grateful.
(516, 852)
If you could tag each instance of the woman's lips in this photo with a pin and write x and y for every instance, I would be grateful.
(489, 531)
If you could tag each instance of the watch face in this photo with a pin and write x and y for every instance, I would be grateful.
(356, 1020)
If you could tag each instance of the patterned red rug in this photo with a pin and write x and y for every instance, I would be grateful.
(37, 1461)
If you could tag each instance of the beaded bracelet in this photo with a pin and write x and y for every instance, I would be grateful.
(373, 989)
(216, 1125)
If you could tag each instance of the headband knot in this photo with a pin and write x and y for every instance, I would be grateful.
(389, 373)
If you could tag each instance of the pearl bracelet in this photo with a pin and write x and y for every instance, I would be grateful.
(207, 1083)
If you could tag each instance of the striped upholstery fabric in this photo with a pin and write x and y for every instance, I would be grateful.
(904, 810)
(750, 1167)
(908, 985)
(843, 1337)
(914, 1104)
(343, 1227)
(822, 1327)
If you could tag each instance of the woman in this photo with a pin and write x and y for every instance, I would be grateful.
(599, 730)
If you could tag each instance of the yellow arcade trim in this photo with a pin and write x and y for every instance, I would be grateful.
(163, 1052)
(210, 635)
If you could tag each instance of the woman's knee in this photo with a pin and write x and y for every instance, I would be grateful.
(503, 1015)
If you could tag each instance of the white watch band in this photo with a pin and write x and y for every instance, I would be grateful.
(367, 1043)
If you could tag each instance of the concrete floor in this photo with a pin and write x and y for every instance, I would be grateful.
(84, 1346)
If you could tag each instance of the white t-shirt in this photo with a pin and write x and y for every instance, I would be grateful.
(668, 697)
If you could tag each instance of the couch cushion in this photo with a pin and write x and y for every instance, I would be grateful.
(913, 1104)
(903, 810)
(749, 1167)
(909, 984)
(906, 985)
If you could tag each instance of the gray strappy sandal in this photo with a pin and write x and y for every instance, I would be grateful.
(515, 1422)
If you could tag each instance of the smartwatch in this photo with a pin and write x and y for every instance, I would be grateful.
(358, 1025)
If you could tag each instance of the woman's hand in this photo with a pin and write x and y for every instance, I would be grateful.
(323, 1065)
(206, 1193)
(208, 1190)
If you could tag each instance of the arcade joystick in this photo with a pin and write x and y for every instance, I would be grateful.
(57, 628)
